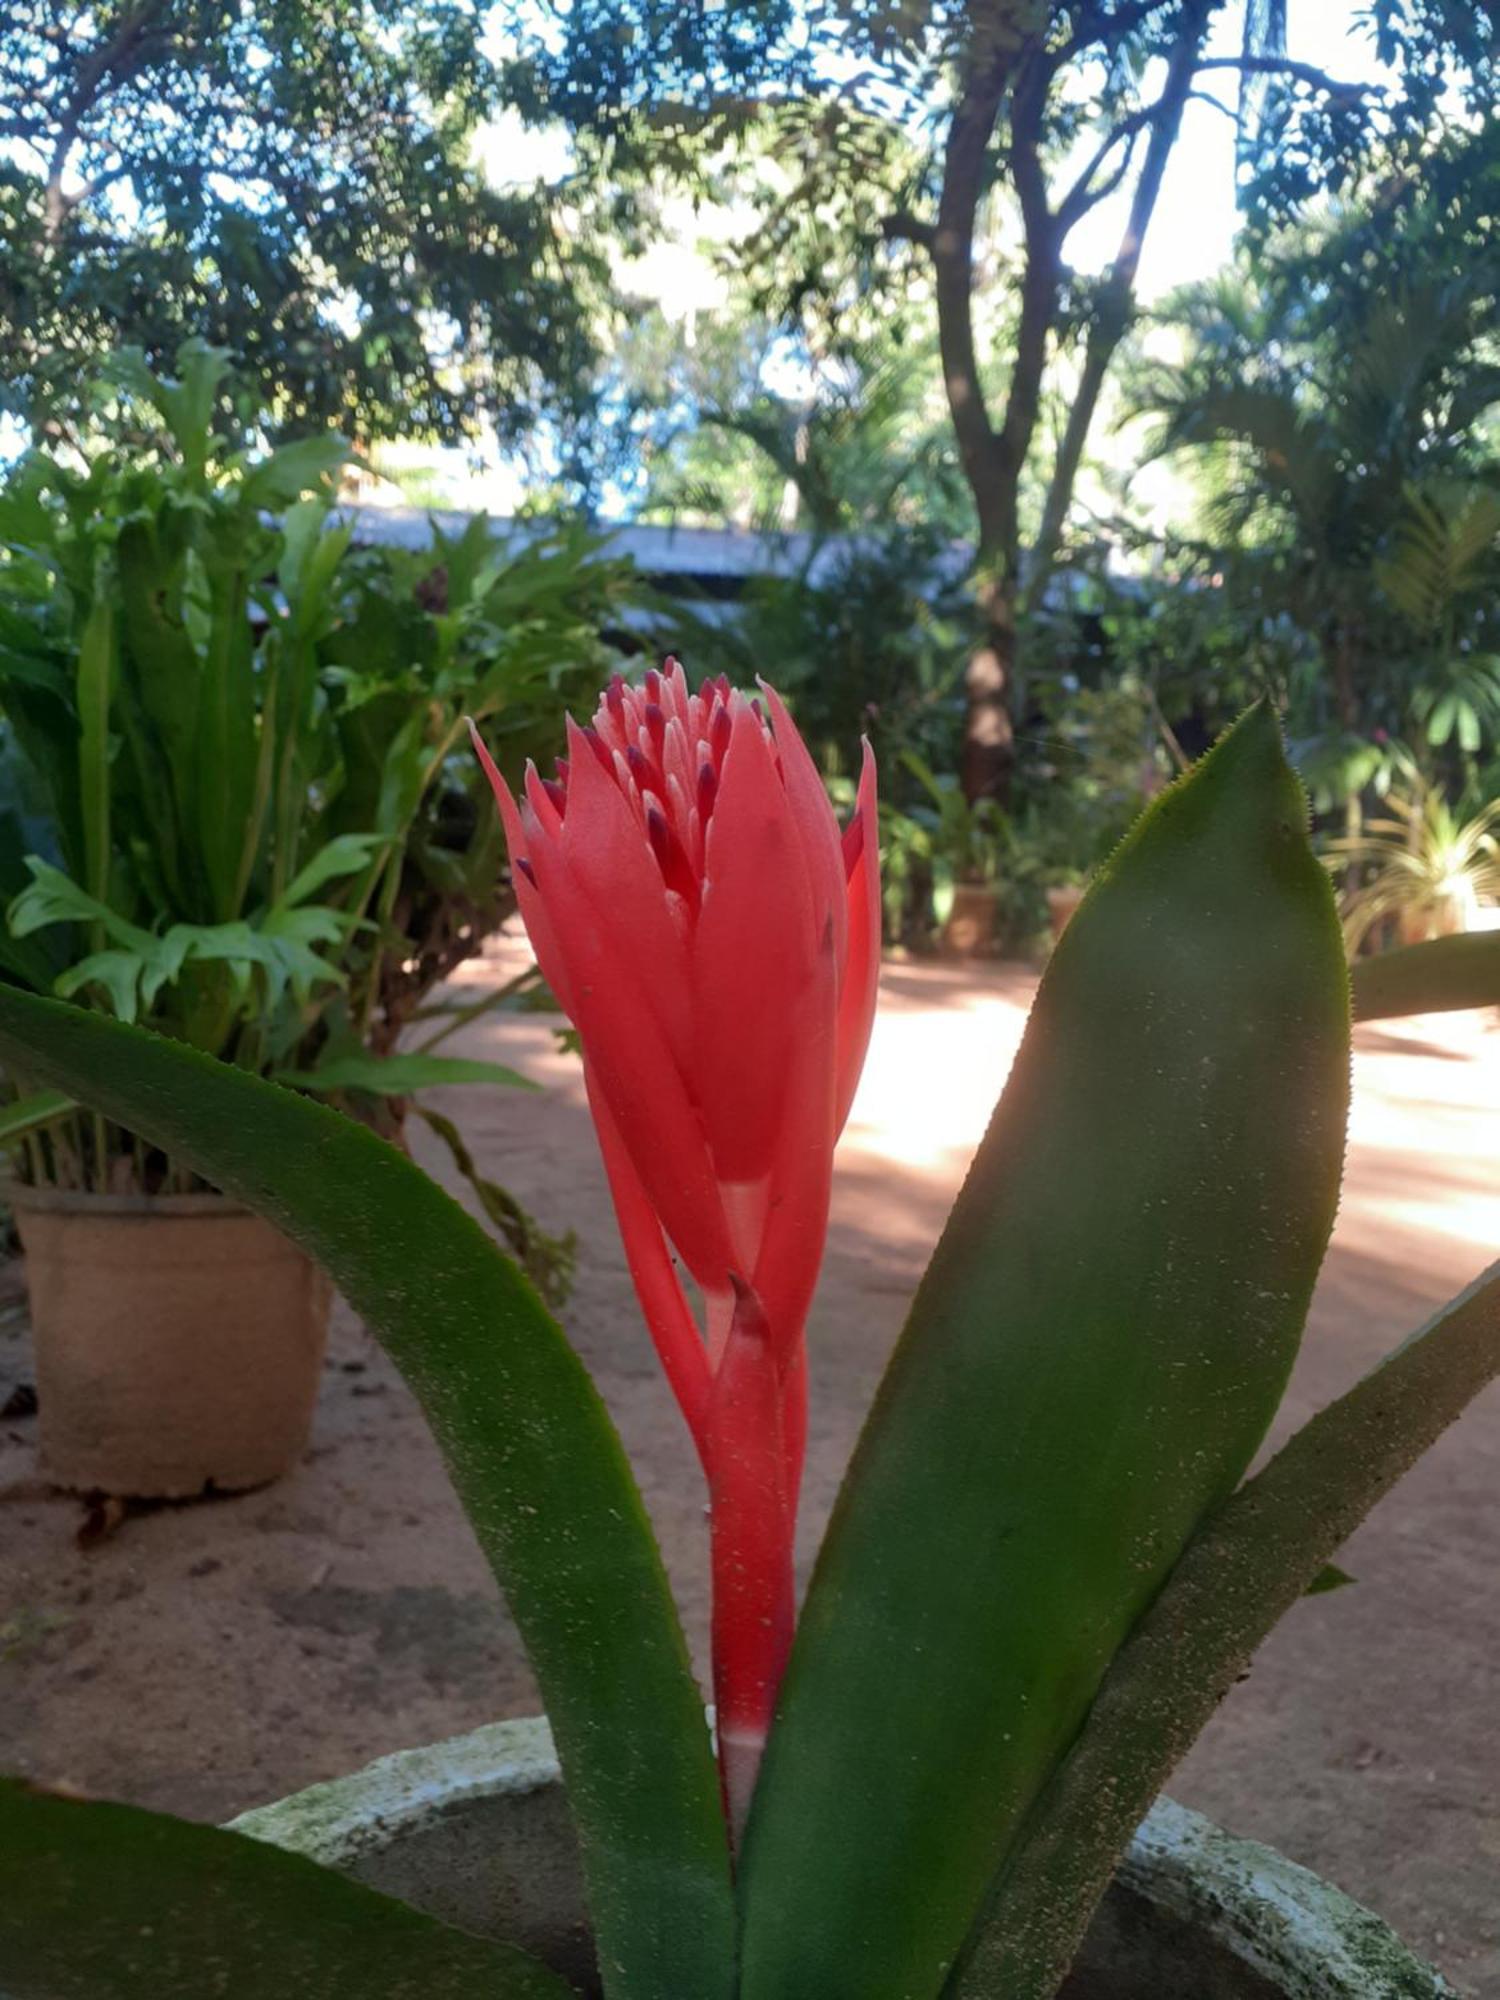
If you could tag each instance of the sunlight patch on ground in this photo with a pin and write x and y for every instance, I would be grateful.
(941, 1050)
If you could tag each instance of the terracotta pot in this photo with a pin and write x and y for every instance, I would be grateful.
(974, 920)
(179, 1341)
(1063, 899)
(476, 1831)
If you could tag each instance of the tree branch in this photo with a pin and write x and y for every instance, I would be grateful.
(1082, 196)
(1118, 299)
(952, 248)
(904, 227)
(1215, 103)
(1039, 284)
(1308, 73)
(122, 55)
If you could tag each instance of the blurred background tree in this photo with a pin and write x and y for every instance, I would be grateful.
(297, 183)
(945, 154)
(1338, 394)
(862, 280)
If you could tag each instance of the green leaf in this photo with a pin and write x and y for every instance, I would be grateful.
(52, 897)
(280, 948)
(227, 750)
(1095, 1352)
(118, 972)
(1434, 978)
(163, 665)
(1245, 1569)
(1329, 1577)
(108, 1902)
(304, 466)
(32, 1114)
(530, 1448)
(399, 1075)
(344, 855)
(96, 654)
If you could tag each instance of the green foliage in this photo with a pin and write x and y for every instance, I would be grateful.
(245, 738)
(167, 748)
(1244, 1570)
(302, 184)
(1095, 1305)
(869, 638)
(1335, 395)
(860, 443)
(509, 635)
(1422, 867)
(530, 1449)
(240, 804)
(1446, 974)
(1039, 1577)
(107, 1902)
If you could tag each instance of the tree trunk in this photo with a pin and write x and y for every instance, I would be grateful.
(1342, 651)
(989, 754)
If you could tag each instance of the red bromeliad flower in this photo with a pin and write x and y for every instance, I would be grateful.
(715, 940)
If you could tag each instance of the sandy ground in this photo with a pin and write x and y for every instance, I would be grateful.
(208, 1657)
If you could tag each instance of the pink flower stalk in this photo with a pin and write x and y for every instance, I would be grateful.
(715, 940)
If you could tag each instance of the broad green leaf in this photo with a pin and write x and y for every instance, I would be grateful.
(190, 402)
(96, 657)
(1434, 978)
(293, 469)
(1095, 1352)
(530, 1448)
(402, 777)
(227, 750)
(344, 855)
(282, 953)
(116, 972)
(32, 1114)
(313, 554)
(55, 898)
(399, 1075)
(109, 1902)
(1244, 1570)
(162, 664)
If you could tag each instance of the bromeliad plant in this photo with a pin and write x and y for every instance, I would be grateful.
(1046, 1564)
(683, 850)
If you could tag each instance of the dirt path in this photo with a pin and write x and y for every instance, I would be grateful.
(210, 1657)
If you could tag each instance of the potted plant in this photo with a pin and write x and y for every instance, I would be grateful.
(154, 680)
(211, 831)
(1424, 867)
(965, 840)
(1047, 1562)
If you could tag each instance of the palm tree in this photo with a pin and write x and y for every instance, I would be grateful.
(1336, 425)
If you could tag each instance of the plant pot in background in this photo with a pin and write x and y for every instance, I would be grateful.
(476, 1831)
(973, 922)
(1063, 899)
(179, 1341)
(1448, 915)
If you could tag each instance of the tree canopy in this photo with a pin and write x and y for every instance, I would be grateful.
(894, 128)
(294, 180)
